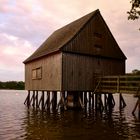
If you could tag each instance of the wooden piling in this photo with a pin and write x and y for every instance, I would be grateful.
(137, 105)
(96, 101)
(28, 99)
(42, 105)
(47, 103)
(54, 101)
(122, 103)
(105, 101)
(89, 99)
(85, 99)
(33, 99)
(109, 102)
(93, 102)
(36, 99)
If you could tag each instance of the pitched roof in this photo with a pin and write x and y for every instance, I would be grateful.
(60, 37)
(58, 40)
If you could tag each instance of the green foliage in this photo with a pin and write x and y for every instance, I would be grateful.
(12, 85)
(136, 72)
(134, 13)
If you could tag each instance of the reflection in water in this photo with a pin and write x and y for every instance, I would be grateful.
(18, 123)
(78, 125)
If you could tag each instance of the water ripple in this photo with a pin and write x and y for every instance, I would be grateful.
(18, 123)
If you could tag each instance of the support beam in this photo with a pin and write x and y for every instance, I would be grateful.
(93, 101)
(54, 101)
(36, 98)
(81, 103)
(89, 99)
(42, 107)
(85, 99)
(137, 105)
(105, 101)
(122, 102)
(33, 99)
(110, 102)
(47, 103)
(28, 99)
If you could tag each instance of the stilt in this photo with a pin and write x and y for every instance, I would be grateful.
(89, 99)
(62, 100)
(42, 100)
(33, 99)
(93, 100)
(36, 98)
(85, 99)
(47, 103)
(101, 103)
(76, 99)
(54, 101)
(137, 105)
(28, 99)
(96, 101)
(139, 108)
(81, 103)
(122, 102)
(109, 102)
(105, 101)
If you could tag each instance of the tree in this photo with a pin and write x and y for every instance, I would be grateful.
(134, 12)
(136, 72)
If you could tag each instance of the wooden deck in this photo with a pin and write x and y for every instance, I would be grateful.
(129, 84)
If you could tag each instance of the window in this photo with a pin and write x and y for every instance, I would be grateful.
(37, 73)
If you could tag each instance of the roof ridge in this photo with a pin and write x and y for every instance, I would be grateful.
(61, 36)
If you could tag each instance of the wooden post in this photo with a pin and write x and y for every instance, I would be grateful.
(122, 102)
(33, 99)
(105, 101)
(118, 84)
(93, 100)
(54, 101)
(81, 96)
(100, 103)
(96, 101)
(139, 108)
(42, 100)
(109, 102)
(48, 100)
(89, 99)
(76, 99)
(85, 99)
(28, 99)
(137, 105)
(36, 99)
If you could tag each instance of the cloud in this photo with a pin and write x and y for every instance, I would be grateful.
(14, 52)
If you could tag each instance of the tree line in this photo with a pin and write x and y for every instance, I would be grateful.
(19, 85)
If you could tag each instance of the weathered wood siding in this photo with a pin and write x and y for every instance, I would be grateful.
(51, 73)
(79, 71)
(95, 38)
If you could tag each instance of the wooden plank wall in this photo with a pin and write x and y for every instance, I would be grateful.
(51, 73)
(79, 71)
(95, 33)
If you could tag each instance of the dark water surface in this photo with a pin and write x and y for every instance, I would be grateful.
(19, 123)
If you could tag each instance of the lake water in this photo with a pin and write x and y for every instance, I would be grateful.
(19, 123)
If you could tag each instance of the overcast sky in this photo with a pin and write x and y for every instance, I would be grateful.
(25, 24)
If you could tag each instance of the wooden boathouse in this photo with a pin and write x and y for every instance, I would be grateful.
(69, 61)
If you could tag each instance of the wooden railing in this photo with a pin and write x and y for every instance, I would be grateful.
(120, 84)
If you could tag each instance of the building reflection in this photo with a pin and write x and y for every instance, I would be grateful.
(74, 125)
